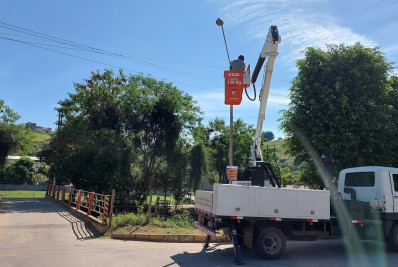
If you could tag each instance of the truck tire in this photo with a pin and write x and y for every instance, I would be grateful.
(270, 243)
(394, 238)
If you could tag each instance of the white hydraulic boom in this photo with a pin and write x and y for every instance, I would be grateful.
(270, 51)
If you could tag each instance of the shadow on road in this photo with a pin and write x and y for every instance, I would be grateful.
(82, 229)
(23, 205)
(332, 252)
(213, 253)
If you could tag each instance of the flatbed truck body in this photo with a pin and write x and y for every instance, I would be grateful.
(263, 218)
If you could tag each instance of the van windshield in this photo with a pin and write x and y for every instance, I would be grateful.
(360, 179)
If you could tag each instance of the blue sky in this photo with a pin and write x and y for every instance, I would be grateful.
(179, 35)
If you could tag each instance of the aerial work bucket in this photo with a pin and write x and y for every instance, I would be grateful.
(235, 82)
(233, 87)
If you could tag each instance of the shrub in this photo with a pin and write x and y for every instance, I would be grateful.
(130, 219)
(39, 179)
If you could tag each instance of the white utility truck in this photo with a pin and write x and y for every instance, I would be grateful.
(364, 206)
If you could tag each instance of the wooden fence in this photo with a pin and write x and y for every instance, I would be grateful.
(89, 202)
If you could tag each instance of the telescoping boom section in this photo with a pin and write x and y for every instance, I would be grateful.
(270, 51)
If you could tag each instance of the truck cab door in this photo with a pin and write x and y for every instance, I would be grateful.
(394, 183)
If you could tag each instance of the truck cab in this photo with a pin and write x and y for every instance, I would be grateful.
(375, 185)
(370, 200)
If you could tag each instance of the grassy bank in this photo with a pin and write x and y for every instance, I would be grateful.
(181, 222)
(22, 194)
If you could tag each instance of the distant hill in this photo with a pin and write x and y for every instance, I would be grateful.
(282, 159)
(39, 137)
(38, 129)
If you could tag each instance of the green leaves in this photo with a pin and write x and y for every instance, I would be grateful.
(121, 132)
(340, 105)
(7, 115)
(20, 172)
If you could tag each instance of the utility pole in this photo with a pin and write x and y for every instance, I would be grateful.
(231, 136)
(220, 23)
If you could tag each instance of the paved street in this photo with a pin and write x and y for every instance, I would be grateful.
(38, 232)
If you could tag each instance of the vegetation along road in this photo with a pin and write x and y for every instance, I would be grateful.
(38, 232)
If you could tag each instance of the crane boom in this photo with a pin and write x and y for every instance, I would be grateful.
(270, 50)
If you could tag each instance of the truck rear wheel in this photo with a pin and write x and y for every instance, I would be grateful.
(394, 238)
(270, 243)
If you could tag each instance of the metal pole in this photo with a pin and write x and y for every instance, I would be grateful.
(220, 22)
(231, 136)
(226, 47)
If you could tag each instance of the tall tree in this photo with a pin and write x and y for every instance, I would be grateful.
(198, 165)
(20, 172)
(7, 115)
(118, 132)
(13, 138)
(268, 135)
(216, 139)
(339, 108)
(393, 105)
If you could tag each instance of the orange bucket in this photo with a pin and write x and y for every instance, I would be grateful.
(233, 87)
(232, 172)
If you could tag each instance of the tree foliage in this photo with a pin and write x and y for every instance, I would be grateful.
(119, 132)
(340, 106)
(7, 115)
(13, 138)
(268, 135)
(198, 165)
(20, 172)
(213, 141)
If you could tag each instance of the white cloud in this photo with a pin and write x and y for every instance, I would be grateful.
(391, 50)
(300, 25)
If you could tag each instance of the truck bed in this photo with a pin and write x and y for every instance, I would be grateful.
(228, 200)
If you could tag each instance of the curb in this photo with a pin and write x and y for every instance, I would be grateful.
(170, 238)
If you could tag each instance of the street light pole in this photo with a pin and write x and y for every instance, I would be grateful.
(220, 23)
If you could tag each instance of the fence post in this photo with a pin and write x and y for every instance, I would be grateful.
(79, 194)
(58, 188)
(53, 191)
(90, 204)
(63, 194)
(111, 208)
(48, 190)
(70, 197)
(105, 208)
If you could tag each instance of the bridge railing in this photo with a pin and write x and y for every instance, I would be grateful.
(89, 202)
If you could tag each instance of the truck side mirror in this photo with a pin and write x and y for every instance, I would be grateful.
(352, 192)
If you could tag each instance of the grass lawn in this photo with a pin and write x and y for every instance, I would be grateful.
(22, 194)
(154, 197)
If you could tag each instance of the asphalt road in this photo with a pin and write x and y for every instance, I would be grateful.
(38, 232)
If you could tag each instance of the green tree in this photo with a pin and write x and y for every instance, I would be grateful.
(7, 115)
(269, 135)
(339, 107)
(219, 147)
(119, 132)
(13, 138)
(243, 140)
(393, 105)
(215, 139)
(198, 165)
(177, 169)
(20, 172)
